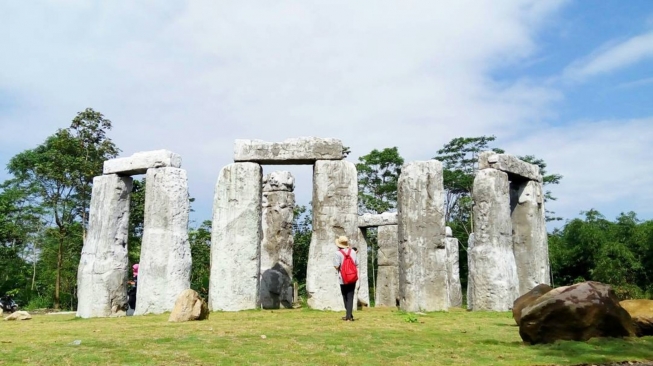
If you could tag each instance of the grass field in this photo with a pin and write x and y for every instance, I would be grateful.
(298, 337)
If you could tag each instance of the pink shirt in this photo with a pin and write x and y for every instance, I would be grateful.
(135, 268)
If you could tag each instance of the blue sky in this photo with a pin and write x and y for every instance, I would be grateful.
(568, 81)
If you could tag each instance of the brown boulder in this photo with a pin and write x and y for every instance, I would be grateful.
(19, 315)
(189, 306)
(528, 298)
(578, 312)
(641, 311)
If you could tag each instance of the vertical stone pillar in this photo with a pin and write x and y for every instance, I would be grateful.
(103, 266)
(493, 272)
(422, 255)
(362, 295)
(530, 242)
(165, 264)
(453, 270)
(470, 271)
(387, 277)
(276, 288)
(335, 205)
(236, 238)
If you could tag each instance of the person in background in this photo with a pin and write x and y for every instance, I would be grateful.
(347, 290)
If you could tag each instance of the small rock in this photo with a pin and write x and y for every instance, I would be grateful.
(189, 306)
(19, 315)
(76, 342)
(263, 336)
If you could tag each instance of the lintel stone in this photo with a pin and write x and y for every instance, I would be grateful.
(373, 220)
(140, 162)
(302, 150)
(509, 164)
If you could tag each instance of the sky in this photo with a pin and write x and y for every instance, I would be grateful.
(570, 82)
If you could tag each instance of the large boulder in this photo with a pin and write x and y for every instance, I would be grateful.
(19, 315)
(578, 313)
(641, 311)
(527, 299)
(189, 306)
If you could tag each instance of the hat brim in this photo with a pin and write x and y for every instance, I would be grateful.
(342, 245)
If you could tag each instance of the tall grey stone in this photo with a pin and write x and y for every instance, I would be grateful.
(470, 270)
(453, 270)
(493, 276)
(335, 204)
(362, 294)
(277, 245)
(303, 150)
(387, 277)
(165, 263)
(529, 237)
(103, 266)
(421, 232)
(140, 162)
(236, 238)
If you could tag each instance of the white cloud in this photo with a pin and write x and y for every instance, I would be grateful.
(193, 76)
(613, 56)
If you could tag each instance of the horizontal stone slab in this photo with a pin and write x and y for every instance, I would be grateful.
(509, 164)
(140, 162)
(302, 150)
(373, 220)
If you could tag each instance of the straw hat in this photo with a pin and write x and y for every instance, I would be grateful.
(342, 242)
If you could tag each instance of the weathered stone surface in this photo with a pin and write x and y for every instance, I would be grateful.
(470, 270)
(373, 220)
(388, 242)
(335, 204)
(527, 299)
(509, 164)
(493, 272)
(529, 237)
(453, 272)
(302, 150)
(189, 306)
(421, 232)
(387, 286)
(19, 315)
(279, 181)
(236, 238)
(362, 294)
(641, 311)
(140, 162)
(577, 313)
(165, 263)
(103, 267)
(277, 244)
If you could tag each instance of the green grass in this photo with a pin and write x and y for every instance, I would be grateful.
(299, 337)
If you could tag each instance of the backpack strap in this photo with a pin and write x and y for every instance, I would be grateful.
(347, 254)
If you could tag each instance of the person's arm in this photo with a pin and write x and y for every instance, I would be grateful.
(336, 261)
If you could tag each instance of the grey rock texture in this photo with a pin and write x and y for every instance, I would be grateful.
(165, 263)
(421, 232)
(236, 238)
(373, 220)
(529, 237)
(470, 270)
(277, 245)
(302, 150)
(103, 266)
(493, 272)
(335, 204)
(387, 277)
(362, 286)
(279, 181)
(453, 272)
(509, 164)
(140, 162)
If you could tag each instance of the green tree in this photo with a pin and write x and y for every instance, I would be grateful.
(200, 247)
(302, 229)
(59, 173)
(378, 174)
(136, 220)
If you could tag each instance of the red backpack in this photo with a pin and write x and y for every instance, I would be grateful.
(348, 269)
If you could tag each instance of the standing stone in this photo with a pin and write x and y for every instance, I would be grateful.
(362, 294)
(335, 204)
(453, 270)
(276, 247)
(530, 242)
(387, 278)
(164, 270)
(470, 270)
(493, 271)
(103, 266)
(236, 238)
(422, 254)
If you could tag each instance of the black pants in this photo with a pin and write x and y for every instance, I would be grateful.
(348, 297)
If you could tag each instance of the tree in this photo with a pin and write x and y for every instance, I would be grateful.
(302, 229)
(136, 220)
(200, 247)
(378, 174)
(59, 173)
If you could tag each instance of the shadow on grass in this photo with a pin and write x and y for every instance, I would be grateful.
(600, 350)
